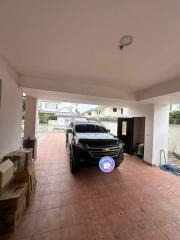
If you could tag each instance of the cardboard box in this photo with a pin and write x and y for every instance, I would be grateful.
(18, 157)
(29, 177)
(12, 207)
(29, 156)
(11, 198)
(6, 173)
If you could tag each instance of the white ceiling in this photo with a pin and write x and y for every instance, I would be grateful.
(75, 44)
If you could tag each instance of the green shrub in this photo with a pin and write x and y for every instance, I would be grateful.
(175, 114)
(45, 117)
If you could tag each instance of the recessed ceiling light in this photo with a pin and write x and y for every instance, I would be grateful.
(125, 41)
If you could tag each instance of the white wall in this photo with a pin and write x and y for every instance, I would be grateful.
(112, 126)
(107, 112)
(156, 130)
(146, 111)
(161, 132)
(10, 110)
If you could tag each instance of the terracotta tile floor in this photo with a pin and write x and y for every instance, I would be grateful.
(135, 201)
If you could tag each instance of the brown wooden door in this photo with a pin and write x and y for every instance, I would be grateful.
(125, 133)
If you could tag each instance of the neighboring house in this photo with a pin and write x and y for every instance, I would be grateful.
(106, 112)
(107, 116)
(65, 116)
(175, 107)
(49, 107)
(55, 107)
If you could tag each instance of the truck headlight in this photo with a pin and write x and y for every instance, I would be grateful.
(81, 146)
(121, 144)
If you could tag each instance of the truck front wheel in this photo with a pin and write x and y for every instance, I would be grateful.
(73, 162)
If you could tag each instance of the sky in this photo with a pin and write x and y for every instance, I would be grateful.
(85, 107)
(81, 107)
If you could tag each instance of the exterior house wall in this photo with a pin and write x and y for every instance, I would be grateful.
(112, 126)
(45, 106)
(175, 107)
(106, 112)
(110, 113)
(10, 110)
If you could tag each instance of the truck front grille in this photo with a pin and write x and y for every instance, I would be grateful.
(106, 151)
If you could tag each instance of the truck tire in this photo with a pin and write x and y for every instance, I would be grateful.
(73, 163)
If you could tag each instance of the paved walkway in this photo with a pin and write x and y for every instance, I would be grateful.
(135, 201)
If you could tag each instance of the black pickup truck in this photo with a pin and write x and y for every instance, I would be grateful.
(89, 141)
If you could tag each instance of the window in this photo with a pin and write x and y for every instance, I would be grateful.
(88, 128)
(40, 105)
(124, 128)
(51, 106)
(121, 110)
(89, 114)
(178, 106)
(114, 109)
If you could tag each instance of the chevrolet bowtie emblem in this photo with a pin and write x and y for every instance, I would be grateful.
(106, 149)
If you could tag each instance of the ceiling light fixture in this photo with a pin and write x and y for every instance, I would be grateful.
(125, 41)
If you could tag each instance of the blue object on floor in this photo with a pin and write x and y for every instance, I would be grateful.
(170, 168)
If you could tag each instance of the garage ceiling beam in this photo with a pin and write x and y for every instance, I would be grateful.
(168, 87)
(75, 85)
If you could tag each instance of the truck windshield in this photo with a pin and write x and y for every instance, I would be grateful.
(88, 128)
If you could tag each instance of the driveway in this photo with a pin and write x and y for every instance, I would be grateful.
(136, 201)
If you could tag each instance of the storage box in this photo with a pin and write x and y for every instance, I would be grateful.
(28, 176)
(12, 206)
(18, 157)
(29, 156)
(6, 173)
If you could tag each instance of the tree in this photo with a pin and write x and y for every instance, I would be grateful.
(175, 114)
(45, 117)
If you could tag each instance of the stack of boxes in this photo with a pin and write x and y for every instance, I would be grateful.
(6, 174)
(17, 185)
(12, 206)
(28, 175)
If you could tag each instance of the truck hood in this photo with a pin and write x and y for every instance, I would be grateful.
(95, 136)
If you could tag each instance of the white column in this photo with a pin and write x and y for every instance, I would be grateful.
(10, 109)
(30, 117)
(160, 133)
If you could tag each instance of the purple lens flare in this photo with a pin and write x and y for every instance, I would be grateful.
(107, 164)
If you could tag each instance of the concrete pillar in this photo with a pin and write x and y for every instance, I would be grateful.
(160, 133)
(10, 109)
(30, 117)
